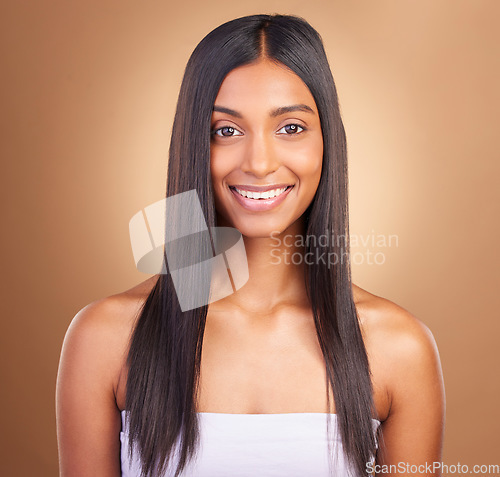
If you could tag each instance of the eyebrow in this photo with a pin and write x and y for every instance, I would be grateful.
(273, 113)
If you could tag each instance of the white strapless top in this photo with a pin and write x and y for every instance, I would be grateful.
(258, 445)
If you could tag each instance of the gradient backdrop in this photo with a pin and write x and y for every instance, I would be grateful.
(88, 96)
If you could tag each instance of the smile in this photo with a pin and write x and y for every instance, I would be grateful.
(260, 195)
(260, 198)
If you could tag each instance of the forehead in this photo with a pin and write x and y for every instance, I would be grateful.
(263, 83)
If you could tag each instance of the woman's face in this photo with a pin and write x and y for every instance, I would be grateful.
(266, 149)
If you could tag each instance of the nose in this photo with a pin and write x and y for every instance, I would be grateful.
(260, 158)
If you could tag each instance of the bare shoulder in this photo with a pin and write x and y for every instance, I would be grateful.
(402, 350)
(99, 334)
(386, 324)
(89, 392)
(113, 314)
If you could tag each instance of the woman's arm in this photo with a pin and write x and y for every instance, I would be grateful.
(414, 429)
(88, 419)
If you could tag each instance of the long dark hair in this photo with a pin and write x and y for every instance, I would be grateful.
(165, 351)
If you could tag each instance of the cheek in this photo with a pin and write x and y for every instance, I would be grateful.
(217, 175)
(220, 168)
(218, 171)
(306, 162)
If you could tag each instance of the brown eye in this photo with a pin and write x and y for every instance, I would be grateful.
(225, 131)
(292, 129)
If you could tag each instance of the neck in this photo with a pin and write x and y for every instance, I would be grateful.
(274, 279)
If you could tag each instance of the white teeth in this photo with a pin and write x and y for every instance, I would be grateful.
(260, 195)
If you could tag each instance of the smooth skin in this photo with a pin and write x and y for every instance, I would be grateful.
(260, 349)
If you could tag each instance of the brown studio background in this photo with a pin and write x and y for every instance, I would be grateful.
(88, 97)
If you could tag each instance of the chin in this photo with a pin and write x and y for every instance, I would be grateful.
(256, 227)
(260, 234)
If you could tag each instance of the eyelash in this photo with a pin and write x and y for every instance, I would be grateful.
(214, 132)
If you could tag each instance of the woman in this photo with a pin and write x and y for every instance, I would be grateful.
(258, 134)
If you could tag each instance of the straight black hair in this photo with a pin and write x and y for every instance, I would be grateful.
(165, 350)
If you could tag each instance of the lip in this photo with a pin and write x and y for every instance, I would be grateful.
(259, 205)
